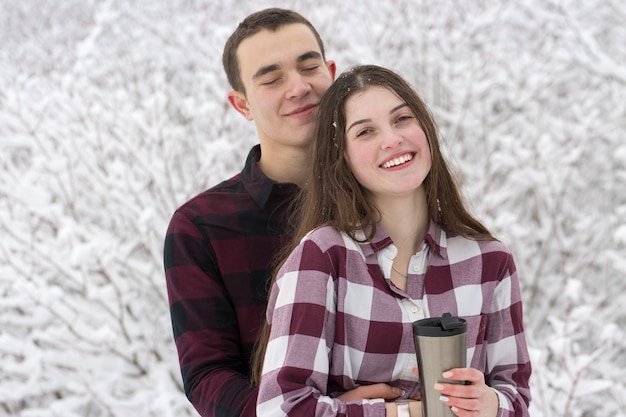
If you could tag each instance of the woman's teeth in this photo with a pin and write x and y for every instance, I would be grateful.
(397, 161)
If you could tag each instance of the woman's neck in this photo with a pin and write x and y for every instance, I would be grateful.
(406, 220)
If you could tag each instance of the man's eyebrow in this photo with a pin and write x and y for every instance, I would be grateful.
(309, 55)
(275, 67)
(265, 70)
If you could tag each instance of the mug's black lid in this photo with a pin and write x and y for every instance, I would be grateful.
(446, 325)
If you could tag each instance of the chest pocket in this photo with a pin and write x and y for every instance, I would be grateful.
(476, 341)
(476, 330)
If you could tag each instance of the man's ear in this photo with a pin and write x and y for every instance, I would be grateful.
(332, 67)
(238, 100)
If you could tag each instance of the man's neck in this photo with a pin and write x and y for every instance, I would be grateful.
(285, 165)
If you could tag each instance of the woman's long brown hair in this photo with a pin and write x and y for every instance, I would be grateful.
(333, 196)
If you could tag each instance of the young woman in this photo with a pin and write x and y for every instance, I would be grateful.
(383, 239)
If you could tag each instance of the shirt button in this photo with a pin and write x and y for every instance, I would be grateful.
(415, 309)
(416, 268)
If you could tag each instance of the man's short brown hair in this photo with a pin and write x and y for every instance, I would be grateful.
(271, 19)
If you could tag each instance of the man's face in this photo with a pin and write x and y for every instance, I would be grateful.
(285, 76)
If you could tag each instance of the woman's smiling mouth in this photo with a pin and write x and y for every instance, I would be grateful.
(397, 161)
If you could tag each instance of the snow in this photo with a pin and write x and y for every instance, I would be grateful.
(113, 113)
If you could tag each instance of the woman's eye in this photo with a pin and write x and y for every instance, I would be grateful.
(363, 132)
(404, 118)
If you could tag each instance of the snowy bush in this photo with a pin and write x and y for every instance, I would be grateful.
(113, 113)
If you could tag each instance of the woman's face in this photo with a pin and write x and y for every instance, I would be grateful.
(386, 147)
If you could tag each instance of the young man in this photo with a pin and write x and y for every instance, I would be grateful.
(220, 244)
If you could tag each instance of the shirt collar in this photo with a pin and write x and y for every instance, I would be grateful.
(258, 185)
(436, 238)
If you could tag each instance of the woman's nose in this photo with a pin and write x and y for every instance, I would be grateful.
(391, 139)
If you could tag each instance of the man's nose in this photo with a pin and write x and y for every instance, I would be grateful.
(297, 87)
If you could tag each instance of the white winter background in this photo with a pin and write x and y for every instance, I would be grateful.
(113, 113)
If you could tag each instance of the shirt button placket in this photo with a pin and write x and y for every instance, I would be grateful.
(414, 310)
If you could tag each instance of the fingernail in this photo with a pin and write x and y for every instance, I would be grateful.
(447, 374)
(438, 387)
(443, 398)
(454, 409)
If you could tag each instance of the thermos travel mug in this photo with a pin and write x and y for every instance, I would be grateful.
(440, 344)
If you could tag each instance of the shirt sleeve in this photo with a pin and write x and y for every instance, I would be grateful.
(214, 373)
(302, 317)
(508, 363)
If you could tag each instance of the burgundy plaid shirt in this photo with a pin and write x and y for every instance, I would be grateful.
(337, 321)
(217, 251)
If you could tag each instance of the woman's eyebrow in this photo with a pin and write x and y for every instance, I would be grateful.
(358, 122)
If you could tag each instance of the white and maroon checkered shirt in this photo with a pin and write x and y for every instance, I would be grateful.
(337, 321)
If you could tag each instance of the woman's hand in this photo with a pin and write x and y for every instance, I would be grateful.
(473, 400)
(415, 409)
(387, 392)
